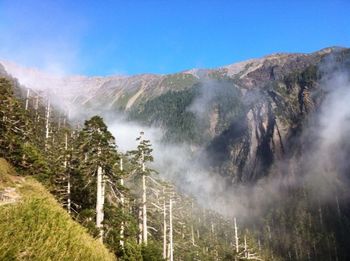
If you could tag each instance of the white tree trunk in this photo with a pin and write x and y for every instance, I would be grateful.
(144, 210)
(245, 246)
(168, 253)
(68, 175)
(103, 193)
(27, 99)
(122, 204)
(192, 229)
(100, 202)
(164, 229)
(26, 108)
(192, 235)
(144, 201)
(47, 125)
(47, 120)
(140, 225)
(236, 235)
(171, 230)
(36, 107)
(69, 203)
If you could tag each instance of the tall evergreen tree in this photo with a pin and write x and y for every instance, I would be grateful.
(98, 155)
(15, 125)
(140, 157)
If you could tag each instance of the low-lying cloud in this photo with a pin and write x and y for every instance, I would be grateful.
(321, 165)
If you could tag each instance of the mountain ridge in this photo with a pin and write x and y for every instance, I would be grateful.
(17, 70)
(122, 93)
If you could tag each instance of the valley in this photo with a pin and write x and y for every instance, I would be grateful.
(242, 162)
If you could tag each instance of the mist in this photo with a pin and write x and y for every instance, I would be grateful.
(328, 164)
(320, 168)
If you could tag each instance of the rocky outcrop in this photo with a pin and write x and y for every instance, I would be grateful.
(279, 95)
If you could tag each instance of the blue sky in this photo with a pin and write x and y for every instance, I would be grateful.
(131, 37)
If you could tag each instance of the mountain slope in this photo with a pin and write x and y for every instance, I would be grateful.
(34, 227)
(276, 128)
(117, 91)
(248, 115)
(243, 115)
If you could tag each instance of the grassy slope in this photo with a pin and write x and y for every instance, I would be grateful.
(37, 228)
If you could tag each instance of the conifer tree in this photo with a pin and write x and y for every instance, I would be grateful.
(139, 158)
(98, 156)
(14, 129)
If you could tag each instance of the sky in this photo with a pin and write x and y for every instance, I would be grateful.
(129, 37)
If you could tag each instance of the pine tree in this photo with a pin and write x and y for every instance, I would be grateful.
(139, 158)
(97, 152)
(14, 125)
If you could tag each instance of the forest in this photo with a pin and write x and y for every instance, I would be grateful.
(118, 197)
(268, 190)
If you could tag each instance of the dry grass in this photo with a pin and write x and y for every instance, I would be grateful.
(37, 228)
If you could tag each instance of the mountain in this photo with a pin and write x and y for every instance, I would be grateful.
(243, 115)
(264, 141)
(42, 145)
(125, 92)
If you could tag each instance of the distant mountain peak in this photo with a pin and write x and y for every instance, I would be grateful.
(124, 92)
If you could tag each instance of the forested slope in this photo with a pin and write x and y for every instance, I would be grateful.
(116, 196)
(272, 133)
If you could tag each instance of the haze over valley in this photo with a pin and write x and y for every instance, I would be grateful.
(155, 160)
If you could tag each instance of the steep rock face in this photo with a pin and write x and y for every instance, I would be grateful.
(277, 106)
(252, 143)
(249, 146)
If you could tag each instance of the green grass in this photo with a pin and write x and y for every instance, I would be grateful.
(7, 175)
(37, 228)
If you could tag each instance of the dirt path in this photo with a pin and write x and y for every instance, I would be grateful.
(8, 195)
